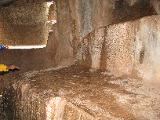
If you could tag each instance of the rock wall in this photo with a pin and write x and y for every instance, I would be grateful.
(27, 20)
(77, 18)
(148, 47)
(156, 5)
(87, 15)
(33, 59)
(109, 48)
(123, 48)
(64, 53)
(116, 47)
(52, 12)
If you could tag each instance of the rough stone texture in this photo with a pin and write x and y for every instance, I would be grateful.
(109, 48)
(119, 48)
(27, 20)
(33, 59)
(65, 51)
(77, 18)
(156, 5)
(106, 48)
(52, 12)
(86, 15)
(147, 47)
(123, 47)
(74, 93)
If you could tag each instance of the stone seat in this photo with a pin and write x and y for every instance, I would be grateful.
(73, 93)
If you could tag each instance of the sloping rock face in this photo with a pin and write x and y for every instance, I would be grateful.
(73, 93)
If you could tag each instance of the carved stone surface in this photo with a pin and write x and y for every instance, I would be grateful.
(73, 93)
(26, 20)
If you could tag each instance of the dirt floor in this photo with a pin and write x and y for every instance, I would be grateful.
(98, 94)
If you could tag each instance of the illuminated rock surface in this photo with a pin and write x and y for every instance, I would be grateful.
(115, 45)
(74, 93)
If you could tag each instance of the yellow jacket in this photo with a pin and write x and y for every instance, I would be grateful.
(3, 68)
